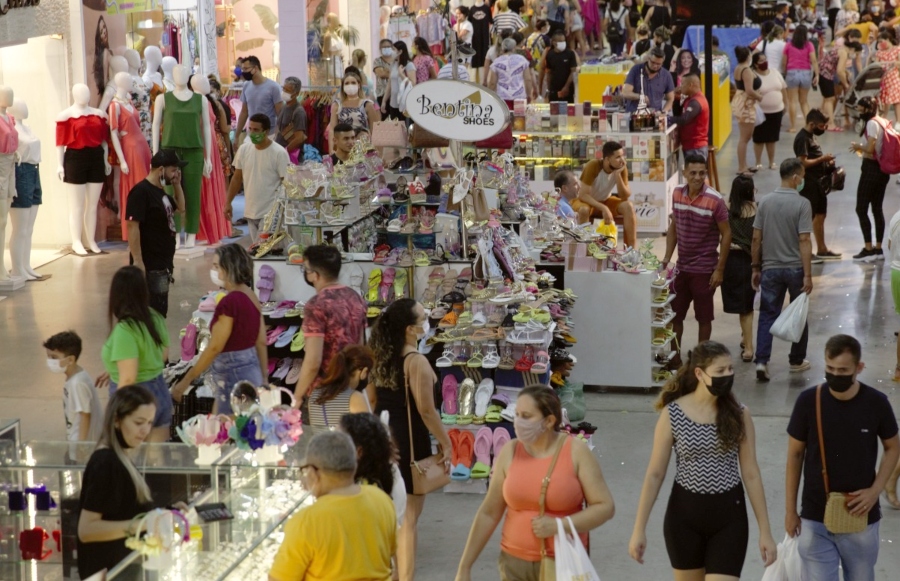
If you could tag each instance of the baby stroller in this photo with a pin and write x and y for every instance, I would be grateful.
(867, 84)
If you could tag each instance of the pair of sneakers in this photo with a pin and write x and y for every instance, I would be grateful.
(762, 369)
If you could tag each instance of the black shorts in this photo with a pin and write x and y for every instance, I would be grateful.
(707, 531)
(827, 87)
(84, 166)
(813, 192)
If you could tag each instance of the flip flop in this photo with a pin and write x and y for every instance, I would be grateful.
(287, 336)
(501, 437)
(483, 398)
(273, 335)
(266, 282)
(273, 363)
(484, 441)
(400, 279)
(450, 407)
(283, 368)
(189, 342)
(463, 470)
(294, 374)
(886, 495)
(374, 282)
(454, 443)
(387, 281)
(466, 402)
(298, 342)
(541, 362)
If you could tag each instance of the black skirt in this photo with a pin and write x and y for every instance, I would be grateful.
(737, 289)
(769, 130)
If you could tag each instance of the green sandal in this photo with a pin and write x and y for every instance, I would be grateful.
(493, 414)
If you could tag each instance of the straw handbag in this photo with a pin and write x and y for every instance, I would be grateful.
(837, 516)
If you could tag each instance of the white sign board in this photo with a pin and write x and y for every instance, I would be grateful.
(457, 110)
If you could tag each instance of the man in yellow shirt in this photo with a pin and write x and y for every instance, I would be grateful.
(598, 180)
(349, 533)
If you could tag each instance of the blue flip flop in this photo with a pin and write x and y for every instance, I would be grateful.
(286, 337)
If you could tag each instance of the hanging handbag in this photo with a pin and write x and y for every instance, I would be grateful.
(428, 474)
(548, 564)
(390, 133)
(421, 137)
(503, 140)
(837, 516)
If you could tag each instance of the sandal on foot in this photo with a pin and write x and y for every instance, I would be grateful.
(892, 504)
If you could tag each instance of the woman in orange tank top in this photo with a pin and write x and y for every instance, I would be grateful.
(577, 489)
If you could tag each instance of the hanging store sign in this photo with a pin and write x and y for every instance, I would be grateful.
(457, 110)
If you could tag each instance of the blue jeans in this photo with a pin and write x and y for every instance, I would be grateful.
(160, 390)
(822, 553)
(231, 367)
(775, 283)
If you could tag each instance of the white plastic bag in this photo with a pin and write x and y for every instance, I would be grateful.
(790, 323)
(572, 561)
(787, 566)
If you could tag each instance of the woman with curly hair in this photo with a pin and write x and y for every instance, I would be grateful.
(705, 526)
(376, 457)
(404, 384)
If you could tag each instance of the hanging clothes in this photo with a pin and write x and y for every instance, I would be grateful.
(481, 19)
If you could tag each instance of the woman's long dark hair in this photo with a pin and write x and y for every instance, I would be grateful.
(129, 301)
(801, 36)
(403, 56)
(377, 450)
(695, 64)
(742, 193)
(729, 416)
(422, 46)
(340, 368)
(99, 50)
(387, 342)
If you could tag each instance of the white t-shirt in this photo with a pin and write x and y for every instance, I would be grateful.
(774, 54)
(873, 129)
(772, 84)
(894, 233)
(462, 36)
(263, 171)
(80, 397)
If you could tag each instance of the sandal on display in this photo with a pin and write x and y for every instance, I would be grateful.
(466, 402)
(266, 282)
(465, 319)
(387, 283)
(501, 437)
(483, 398)
(189, 341)
(491, 358)
(450, 393)
(273, 334)
(493, 414)
(476, 359)
(463, 470)
(294, 374)
(449, 320)
(446, 360)
(484, 441)
(283, 367)
(286, 336)
(509, 413)
(526, 361)
(507, 362)
(299, 341)
(541, 362)
(400, 279)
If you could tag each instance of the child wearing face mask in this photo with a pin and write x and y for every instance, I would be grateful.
(81, 405)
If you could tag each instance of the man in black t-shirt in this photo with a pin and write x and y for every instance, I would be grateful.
(559, 62)
(151, 225)
(807, 150)
(854, 418)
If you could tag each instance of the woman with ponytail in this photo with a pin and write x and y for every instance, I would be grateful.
(872, 181)
(339, 394)
(705, 526)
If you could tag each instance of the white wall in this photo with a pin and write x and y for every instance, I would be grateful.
(292, 37)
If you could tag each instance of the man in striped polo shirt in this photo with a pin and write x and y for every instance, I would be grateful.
(699, 227)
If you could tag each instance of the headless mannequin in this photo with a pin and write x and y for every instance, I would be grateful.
(153, 57)
(7, 161)
(22, 219)
(181, 92)
(83, 197)
(117, 64)
(128, 142)
(140, 97)
(168, 66)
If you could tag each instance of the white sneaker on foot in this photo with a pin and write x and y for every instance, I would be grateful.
(762, 372)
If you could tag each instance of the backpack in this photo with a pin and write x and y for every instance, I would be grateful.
(535, 46)
(614, 32)
(889, 159)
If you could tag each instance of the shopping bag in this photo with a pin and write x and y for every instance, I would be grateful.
(760, 117)
(789, 549)
(790, 323)
(572, 561)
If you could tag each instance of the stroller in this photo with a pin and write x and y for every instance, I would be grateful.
(867, 84)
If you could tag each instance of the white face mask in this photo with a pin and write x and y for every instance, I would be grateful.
(214, 277)
(388, 52)
(286, 96)
(560, 46)
(426, 326)
(56, 366)
(351, 90)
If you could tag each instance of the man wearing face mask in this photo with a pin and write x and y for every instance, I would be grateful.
(781, 261)
(150, 214)
(334, 318)
(259, 95)
(558, 65)
(817, 164)
(260, 166)
(291, 125)
(652, 81)
(850, 418)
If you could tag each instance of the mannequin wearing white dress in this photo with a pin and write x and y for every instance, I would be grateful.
(28, 156)
(9, 142)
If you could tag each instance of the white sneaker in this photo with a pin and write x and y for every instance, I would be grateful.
(762, 372)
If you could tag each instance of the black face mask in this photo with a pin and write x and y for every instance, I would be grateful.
(721, 386)
(839, 383)
(306, 280)
(121, 440)
(818, 131)
(247, 76)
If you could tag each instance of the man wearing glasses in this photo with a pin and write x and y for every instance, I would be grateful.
(699, 227)
(652, 81)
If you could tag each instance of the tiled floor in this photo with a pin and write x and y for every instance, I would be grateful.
(848, 298)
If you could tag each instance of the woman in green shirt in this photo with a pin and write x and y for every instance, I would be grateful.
(138, 346)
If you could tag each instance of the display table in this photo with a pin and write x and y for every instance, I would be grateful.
(729, 39)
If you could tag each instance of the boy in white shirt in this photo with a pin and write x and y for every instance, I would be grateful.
(81, 405)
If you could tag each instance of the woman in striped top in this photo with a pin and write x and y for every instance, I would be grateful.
(338, 393)
(508, 18)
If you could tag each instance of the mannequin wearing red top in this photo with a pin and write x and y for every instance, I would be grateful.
(81, 133)
(9, 142)
(213, 224)
(131, 148)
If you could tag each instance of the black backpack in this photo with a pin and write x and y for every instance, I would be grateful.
(614, 32)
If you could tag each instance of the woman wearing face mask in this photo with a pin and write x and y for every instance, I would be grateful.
(113, 492)
(576, 490)
(889, 53)
(872, 181)
(340, 391)
(404, 385)
(402, 68)
(772, 104)
(705, 527)
(351, 107)
(743, 106)
(237, 346)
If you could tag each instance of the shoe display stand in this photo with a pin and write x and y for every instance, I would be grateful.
(651, 157)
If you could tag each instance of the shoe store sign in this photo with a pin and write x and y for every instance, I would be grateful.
(457, 110)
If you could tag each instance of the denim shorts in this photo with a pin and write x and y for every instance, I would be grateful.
(230, 367)
(798, 78)
(162, 395)
(28, 186)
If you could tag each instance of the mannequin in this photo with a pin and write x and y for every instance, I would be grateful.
(168, 65)
(183, 114)
(140, 97)
(213, 224)
(28, 187)
(276, 50)
(480, 17)
(81, 133)
(9, 142)
(129, 143)
(334, 46)
(117, 64)
(153, 80)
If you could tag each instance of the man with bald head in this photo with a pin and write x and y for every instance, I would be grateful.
(693, 123)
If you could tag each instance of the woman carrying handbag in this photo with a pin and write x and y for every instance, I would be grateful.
(538, 477)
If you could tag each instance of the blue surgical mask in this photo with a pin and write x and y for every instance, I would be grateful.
(801, 184)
